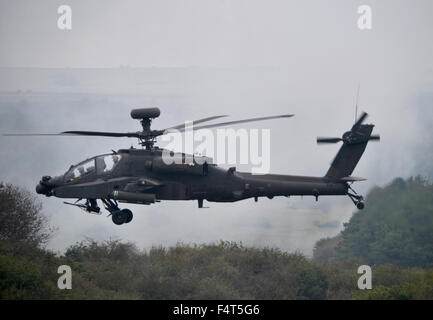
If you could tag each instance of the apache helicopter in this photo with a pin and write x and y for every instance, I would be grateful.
(141, 176)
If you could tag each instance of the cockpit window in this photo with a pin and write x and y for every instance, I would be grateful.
(107, 163)
(81, 170)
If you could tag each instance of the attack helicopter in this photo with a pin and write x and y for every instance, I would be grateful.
(140, 176)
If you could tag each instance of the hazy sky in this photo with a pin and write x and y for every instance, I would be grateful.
(169, 33)
(202, 58)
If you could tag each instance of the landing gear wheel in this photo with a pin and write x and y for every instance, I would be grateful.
(119, 217)
(356, 199)
(128, 215)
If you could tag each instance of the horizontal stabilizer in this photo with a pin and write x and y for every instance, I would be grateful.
(350, 179)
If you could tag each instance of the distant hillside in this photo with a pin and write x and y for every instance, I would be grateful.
(396, 227)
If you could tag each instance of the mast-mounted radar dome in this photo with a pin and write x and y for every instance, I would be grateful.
(143, 113)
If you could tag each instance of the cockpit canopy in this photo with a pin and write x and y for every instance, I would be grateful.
(101, 165)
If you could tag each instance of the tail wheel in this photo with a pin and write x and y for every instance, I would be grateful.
(128, 214)
(360, 205)
(119, 217)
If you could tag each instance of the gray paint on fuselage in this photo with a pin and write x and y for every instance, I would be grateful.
(218, 185)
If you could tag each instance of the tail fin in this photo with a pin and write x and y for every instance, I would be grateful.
(349, 154)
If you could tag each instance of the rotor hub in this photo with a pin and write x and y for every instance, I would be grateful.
(347, 136)
(145, 115)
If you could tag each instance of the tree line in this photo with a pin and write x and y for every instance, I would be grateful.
(116, 269)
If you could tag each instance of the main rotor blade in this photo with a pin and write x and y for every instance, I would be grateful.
(223, 124)
(30, 134)
(195, 122)
(102, 134)
(76, 133)
(328, 140)
(360, 120)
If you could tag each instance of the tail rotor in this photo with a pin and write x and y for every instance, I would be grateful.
(356, 135)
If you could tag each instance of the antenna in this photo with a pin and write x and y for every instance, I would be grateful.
(356, 105)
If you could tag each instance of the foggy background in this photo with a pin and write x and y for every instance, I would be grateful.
(195, 59)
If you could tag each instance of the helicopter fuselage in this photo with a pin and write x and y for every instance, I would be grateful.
(141, 176)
